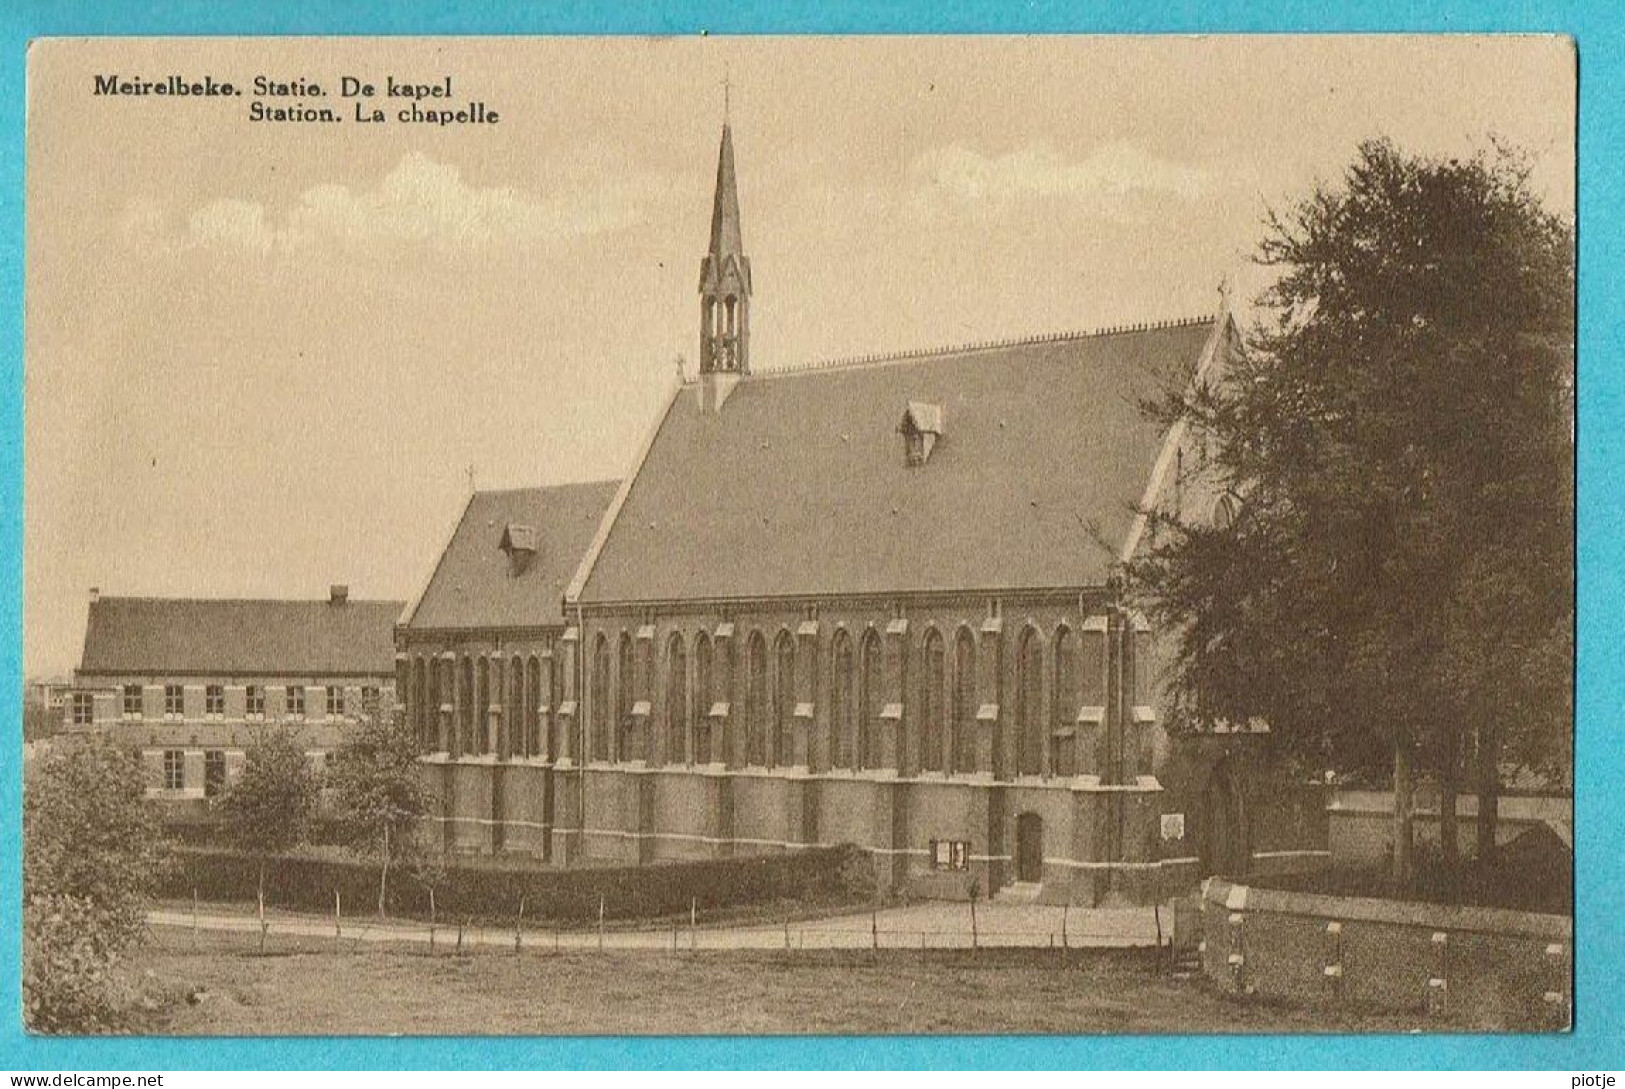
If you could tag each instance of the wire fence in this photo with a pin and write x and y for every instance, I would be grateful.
(931, 928)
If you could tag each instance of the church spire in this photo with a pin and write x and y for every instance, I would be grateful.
(725, 277)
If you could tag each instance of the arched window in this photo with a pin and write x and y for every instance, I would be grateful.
(840, 701)
(482, 704)
(550, 685)
(516, 724)
(538, 722)
(784, 700)
(871, 700)
(627, 738)
(418, 699)
(933, 720)
(703, 699)
(465, 705)
(1029, 704)
(676, 700)
(600, 698)
(756, 724)
(1064, 755)
(962, 736)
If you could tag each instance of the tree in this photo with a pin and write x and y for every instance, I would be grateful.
(1398, 428)
(379, 793)
(91, 850)
(269, 806)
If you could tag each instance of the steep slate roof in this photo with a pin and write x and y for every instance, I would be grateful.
(198, 636)
(473, 585)
(799, 485)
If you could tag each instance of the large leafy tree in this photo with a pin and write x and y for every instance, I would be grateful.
(1397, 426)
(269, 806)
(380, 796)
(91, 851)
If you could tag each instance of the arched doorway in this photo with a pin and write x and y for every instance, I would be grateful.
(1224, 847)
(1029, 847)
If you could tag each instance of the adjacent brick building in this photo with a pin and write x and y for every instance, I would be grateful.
(190, 680)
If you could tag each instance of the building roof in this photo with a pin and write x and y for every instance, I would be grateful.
(511, 557)
(799, 484)
(210, 636)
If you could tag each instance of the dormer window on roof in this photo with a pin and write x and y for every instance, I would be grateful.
(921, 427)
(519, 542)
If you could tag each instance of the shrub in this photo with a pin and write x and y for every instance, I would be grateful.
(91, 857)
(493, 892)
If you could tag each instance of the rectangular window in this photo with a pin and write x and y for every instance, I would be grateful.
(254, 701)
(369, 699)
(174, 769)
(950, 854)
(214, 772)
(335, 701)
(296, 701)
(84, 709)
(174, 701)
(132, 701)
(214, 701)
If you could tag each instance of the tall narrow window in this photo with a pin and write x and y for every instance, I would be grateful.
(756, 709)
(963, 739)
(703, 698)
(174, 769)
(676, 700)
(214, 700)
(933, 720)
(626, 740)
(1029, 704)
(1064, 733)
(296, 701)
(84, 709)
(518, 728)
(335, 701)
(871, 700)
(840, 711)
(466, 741)
(784, 700)
(254, 701)
(132, 701)
(600, 694)
(482, 705)
(174, 701)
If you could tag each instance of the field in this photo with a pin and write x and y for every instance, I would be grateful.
(304, 986)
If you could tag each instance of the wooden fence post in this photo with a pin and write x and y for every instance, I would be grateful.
(1332, 970)
(1438, 986)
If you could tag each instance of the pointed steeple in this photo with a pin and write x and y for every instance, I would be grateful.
(726, 238)
(725, 277)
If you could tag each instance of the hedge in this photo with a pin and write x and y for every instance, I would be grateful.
(830, 875)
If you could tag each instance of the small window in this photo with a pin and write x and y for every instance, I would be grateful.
(370, 699)
(174, 701)
(214, 701)
(950, 854)
(214, 772)
(84, 709)
(296, 701)
(132, 701)
(254, 701)
(174, 769)
(335, 701)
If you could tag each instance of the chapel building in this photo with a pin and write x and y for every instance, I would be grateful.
(871, 602)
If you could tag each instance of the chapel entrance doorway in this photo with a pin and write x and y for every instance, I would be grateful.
(1030, 848)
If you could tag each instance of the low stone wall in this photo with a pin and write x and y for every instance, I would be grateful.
(1482, 968)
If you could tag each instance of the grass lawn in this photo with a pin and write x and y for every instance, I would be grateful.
(305, 986)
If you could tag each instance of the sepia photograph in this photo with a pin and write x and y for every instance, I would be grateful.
(799, 536)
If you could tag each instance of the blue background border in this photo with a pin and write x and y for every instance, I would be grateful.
(1598, 29)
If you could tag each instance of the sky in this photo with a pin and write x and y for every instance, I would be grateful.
(261, 358)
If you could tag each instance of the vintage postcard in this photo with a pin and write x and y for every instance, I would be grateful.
(575, 536)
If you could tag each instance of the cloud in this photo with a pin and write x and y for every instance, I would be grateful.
(1108, 180)
(427, 202)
